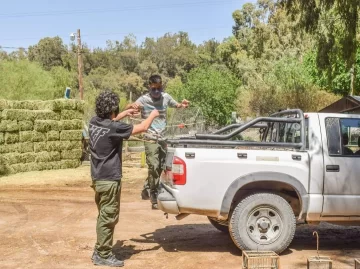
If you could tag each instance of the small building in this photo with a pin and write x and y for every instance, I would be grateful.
(348, 104)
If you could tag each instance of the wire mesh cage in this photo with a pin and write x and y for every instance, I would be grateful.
(260, 260)
(185, 122)
(357, 263)
(318, 262)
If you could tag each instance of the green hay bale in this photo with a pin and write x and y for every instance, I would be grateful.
(27, 104)
(24, 147)
(66, 103)
(71, 125)
(63, 145)
(47, 156)
(13, 158)
(50, 165)
(2, 140)
(10, 158)
(8, 148)
(53, 136)
(71, 135)
(71, 115)
(52, 105)
(53, 165)
(74, 145)
(80, 106)
(71, 154)
(46, 115)
(18, 168)
(38, 137)
(56, 165)
(41, 146)
(25, 125)
(4, 104)
(24, 167)
(65, 164)
(9, 126)
(4, 170)
(18, 114)
(54, 146)
(27, 157)
(46, 125)
(11, 138)
(26, 136)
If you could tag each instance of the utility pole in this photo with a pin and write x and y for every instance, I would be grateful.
(352, 79)
(81, 88)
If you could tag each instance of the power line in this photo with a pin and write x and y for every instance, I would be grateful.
(18, 48)
(131, 32)
(88, 11)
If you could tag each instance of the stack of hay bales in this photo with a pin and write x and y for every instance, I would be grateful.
(40, 135)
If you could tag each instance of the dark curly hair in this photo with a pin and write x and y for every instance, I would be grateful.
(106, 103)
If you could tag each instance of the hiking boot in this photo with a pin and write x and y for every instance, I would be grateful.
(153, 197)
(145, 194)
(94, 254)
(111, 261)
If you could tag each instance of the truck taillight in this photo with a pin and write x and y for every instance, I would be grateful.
(178, 171)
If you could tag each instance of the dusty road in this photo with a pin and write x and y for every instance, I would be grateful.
(47, 220)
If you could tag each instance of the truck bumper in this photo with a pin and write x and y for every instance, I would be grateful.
(166, 201)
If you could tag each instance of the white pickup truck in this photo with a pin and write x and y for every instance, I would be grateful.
(298, 168)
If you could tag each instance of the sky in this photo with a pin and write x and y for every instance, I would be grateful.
(24, 23)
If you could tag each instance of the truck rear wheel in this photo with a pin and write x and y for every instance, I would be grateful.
(263, 221)
(219, 225)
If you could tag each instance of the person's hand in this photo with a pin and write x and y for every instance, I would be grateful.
(155, 113)
(135, 106)
(132, 112)
(185, 103)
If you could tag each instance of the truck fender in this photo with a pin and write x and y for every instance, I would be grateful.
(263, 176)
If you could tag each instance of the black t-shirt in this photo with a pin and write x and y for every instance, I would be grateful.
(106, 138)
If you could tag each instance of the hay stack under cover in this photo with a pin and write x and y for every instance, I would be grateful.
(40, 135)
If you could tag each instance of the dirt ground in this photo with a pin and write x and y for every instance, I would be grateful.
(47, 220)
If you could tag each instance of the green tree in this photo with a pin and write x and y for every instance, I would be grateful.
(173, 54)
(49, 52)
(212, 90)
(335, 25)
(24, 80)
(63, 78)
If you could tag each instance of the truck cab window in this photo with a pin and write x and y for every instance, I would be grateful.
(343, 136)
(350, 130)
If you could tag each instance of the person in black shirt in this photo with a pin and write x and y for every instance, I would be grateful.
(106, 133)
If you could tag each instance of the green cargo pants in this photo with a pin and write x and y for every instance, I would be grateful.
(155, 159)
(107, 199)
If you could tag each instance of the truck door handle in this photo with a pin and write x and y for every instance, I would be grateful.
(242, 155)
(296, 157)
(332, 168)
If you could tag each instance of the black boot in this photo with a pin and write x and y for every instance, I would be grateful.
(145, 194)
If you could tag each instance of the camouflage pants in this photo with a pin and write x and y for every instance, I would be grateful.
(107, 199)
(155, 159)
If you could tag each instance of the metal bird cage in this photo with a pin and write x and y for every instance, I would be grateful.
(319, 262)
(185, 122)
(357, 263)
(260, 260)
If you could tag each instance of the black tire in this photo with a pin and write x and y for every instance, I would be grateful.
(263, 221)
(221, 227)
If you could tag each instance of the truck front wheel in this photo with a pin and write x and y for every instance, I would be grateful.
(263, 221)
